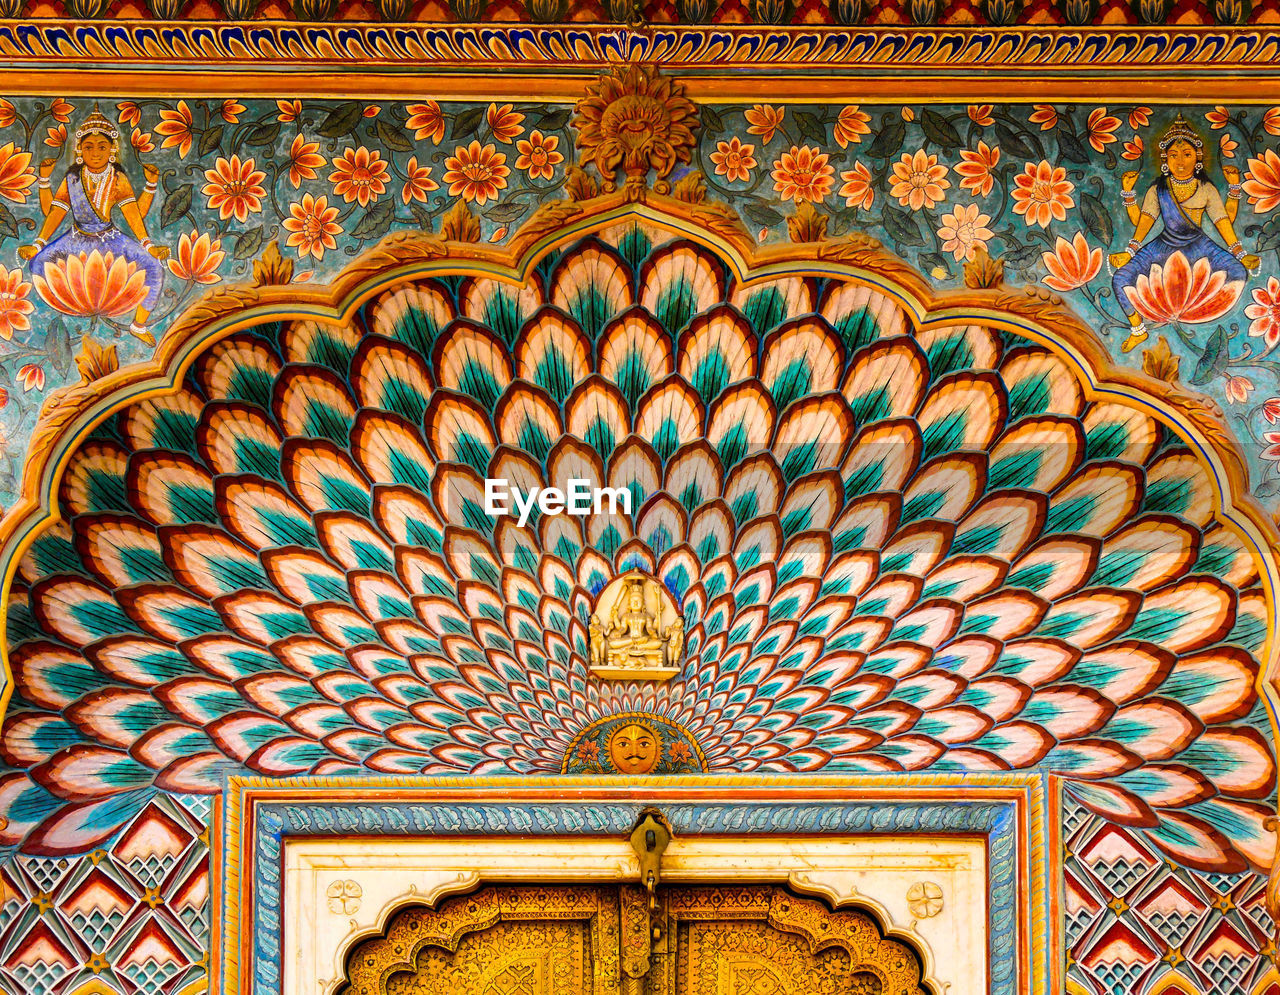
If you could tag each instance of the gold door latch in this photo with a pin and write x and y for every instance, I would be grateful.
(649, 840)
(641, 916)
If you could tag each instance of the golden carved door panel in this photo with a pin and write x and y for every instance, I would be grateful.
(764, 940)
(567, 940)
(496, 941)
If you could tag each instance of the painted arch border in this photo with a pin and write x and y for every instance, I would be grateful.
(70, 414)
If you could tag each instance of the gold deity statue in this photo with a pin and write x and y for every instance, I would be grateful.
(635, 632)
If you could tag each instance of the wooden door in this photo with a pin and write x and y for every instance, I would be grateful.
(601, 940)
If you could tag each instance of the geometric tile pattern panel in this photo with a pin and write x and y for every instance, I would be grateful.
(133, 914)
(1135, 919)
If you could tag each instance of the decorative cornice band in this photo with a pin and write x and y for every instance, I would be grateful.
(881, 50)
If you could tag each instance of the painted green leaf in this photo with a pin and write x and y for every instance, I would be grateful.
(342, 120)
(1214, 358)
(176, 205)
(376, 221)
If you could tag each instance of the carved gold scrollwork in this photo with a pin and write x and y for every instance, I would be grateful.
(521, 940)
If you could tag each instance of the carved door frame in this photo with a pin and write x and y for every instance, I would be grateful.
(373, 849)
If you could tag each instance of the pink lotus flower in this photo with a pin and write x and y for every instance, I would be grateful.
(964, 231)
(1264, 312)
(1271, 409)
(92, 285)
(1272, 452)
(197, 259)
(1178, 292)
(1071, 264)
(31, 377)
(1238, 389)
(14, 306)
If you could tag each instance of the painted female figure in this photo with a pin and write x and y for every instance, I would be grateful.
(89, 192)
(1181, 198)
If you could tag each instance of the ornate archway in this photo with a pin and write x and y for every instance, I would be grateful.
(877, 507)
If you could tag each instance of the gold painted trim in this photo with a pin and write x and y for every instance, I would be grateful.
(563, 84)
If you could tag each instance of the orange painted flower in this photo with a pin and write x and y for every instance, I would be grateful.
(231, 110)
(850, 126)
(1133, 148)
(802, 174)
(908, 114)
(16, 175)
(234, 188)
(419, 183)
(198, 259)
(31, 376)
(57, 137)
(1237, 389)
(61, 110)
(504, 122)
(1071, 264)
(8, 113)
(1262, 182)
(975, 168)
(312, 226)
(1042, 193)
(1219, 117)
(1264, 315)
(1271, 409)
(288, 110)
(1271, 121)
(1044, 115)
(359, 175)
(304, 160)
(981, 114)
(476, 173)
(129, 113)
(92, 285)
(498, 234)
(964, 231)
(141, 141)
(857, 190)
(919, 180)
(1102, 128)
(1139, 117)
(733, 160)
(538, 156)
(176, 127)
(14, 306)
(1177, 292)
(426, 121)
(1227, 146)
(764, 120)
(372, 110)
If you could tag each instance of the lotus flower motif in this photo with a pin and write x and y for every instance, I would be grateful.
(92, 285)
(1181, 293)
(894, 549)
(638, 120)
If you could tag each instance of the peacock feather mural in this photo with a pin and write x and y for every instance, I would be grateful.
(895, 550)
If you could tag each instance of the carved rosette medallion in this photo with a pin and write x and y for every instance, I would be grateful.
(635, 119)
(636, 631)
(924, 899)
